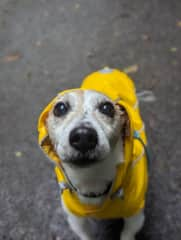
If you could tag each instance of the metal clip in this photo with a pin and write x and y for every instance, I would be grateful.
(63, 186)
(136, 134)
(119, 193)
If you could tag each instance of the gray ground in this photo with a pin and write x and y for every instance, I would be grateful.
(47, 46)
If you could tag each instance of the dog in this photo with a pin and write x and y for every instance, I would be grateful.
(96, 138)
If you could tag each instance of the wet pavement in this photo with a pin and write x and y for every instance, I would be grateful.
(47, 46)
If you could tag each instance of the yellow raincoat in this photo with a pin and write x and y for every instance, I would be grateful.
(127, 195)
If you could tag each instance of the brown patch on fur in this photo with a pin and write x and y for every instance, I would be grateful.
(124, 121)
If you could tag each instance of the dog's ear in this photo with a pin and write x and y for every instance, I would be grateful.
(46, 145)
(46, 142)
(48, 148)
(125, 122)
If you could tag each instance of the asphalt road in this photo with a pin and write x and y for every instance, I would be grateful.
(47, 46)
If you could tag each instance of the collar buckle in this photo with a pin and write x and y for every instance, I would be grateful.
(118, 194)
(63, 186)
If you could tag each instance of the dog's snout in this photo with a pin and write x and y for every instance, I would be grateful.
(83, 139)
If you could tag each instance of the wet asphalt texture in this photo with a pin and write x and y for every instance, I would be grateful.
(47, 46)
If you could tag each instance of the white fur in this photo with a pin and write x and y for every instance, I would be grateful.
(79, 225)
(132, 225)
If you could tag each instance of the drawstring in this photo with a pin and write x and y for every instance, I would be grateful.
(136, 135)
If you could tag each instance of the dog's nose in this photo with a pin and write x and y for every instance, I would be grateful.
(83, 139)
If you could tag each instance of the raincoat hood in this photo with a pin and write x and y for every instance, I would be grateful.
(120, 88)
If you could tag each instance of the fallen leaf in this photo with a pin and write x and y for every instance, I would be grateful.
(173, 49)
(131, 69)
(12, 57)
(18, 154)
(179, 24)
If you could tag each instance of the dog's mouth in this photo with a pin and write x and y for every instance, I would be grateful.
(82, 160)
(102, 193)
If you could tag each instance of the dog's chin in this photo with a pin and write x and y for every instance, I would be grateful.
(98, 194)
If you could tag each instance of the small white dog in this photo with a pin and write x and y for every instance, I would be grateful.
(96, 139)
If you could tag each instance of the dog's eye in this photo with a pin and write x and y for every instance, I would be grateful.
(107, 108)
(61, 109)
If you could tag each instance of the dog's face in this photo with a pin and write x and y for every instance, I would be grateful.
(85, 128)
